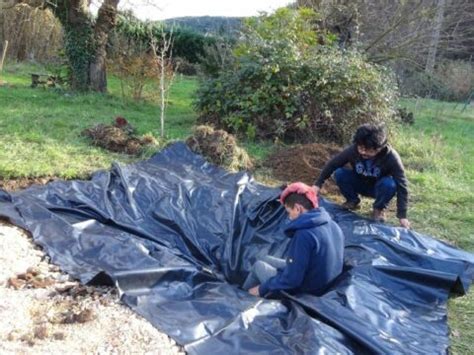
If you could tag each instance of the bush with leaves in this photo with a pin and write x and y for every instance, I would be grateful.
(136, 61)
(288, 79)
(187, 44)
(217, 56)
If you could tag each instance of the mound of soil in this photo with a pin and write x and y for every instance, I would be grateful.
(118, 137)
(219, 147)
(303, 163)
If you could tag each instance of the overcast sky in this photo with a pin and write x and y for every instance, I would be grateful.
(163, 9)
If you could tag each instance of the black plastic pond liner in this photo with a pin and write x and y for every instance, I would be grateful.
(177, 236)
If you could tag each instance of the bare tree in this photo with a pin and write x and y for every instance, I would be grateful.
(419, 31)
(163, 52)
(430, 63)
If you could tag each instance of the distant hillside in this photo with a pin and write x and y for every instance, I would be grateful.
(209, 24)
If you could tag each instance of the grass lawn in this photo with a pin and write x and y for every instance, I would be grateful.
(438, 152)
(40, 128)
(40, 136)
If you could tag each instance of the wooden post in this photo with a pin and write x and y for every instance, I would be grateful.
(4, 54)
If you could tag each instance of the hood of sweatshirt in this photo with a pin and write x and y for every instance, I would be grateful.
(310, 219)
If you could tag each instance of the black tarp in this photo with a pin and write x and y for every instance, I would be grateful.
(177, 236)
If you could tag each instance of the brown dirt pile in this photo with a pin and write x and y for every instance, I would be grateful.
(118, 137)
(219, 147)
(303, 163)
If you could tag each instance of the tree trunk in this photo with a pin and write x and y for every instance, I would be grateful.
(4, 54)
(106, 21)
(2, 21)
(431, 60)
(86, 41)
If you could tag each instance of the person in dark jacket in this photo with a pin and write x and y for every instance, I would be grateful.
(314, 255)
(376, 171)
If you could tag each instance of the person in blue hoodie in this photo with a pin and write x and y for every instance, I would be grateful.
(314, 255)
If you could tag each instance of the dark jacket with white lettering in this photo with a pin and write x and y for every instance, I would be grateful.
(385, 163)
(314, 257)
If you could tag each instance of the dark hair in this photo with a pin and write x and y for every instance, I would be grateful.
(295, 198)
(370, 136)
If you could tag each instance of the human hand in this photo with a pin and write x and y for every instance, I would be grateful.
(405, 223)
(254, 291)
(316, 189)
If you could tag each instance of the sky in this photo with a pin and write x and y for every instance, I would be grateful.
(163, 9)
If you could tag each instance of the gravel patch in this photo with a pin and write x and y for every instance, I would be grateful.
(44, 311)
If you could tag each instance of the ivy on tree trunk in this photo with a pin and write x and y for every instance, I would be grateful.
(86, 41)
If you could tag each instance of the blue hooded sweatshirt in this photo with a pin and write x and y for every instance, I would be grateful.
(314, 257)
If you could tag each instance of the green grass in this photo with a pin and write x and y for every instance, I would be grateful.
(40, 128)
(40, 136)
(438, 153)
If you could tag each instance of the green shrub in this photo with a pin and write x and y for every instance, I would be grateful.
(289, 80)
(216, 57)
(187, 44)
